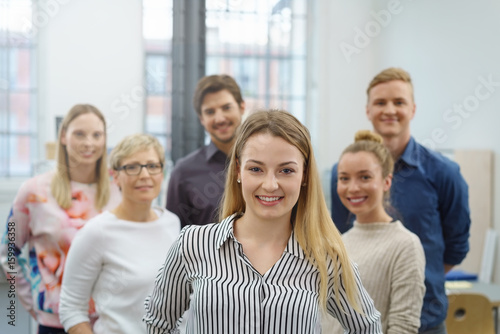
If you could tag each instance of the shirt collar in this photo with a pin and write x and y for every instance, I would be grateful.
(211, 151)
(293, 247)
(227, 232)
(410, 155)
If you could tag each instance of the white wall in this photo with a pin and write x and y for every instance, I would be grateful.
(447, 46)
(91, 51)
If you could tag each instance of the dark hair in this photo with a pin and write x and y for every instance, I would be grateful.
(213, 84)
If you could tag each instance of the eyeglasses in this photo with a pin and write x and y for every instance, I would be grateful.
(136, 169)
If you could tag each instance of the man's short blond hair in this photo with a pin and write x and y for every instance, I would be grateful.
(390, 74)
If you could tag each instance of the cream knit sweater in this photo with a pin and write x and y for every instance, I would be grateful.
(391, 263)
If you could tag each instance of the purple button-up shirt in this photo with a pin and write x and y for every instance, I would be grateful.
(196, 186)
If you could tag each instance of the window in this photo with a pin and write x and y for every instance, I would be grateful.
(262, 45)
(18, 93)
(157, 34)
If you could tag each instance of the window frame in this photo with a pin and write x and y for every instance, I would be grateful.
(12, 42)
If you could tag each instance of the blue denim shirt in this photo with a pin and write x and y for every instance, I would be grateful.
(430, 197)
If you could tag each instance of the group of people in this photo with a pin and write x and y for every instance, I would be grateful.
(428, 194)
(118, 240)
(246, 243)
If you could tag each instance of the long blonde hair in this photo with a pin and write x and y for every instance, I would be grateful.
(312, 224)
(60, 186)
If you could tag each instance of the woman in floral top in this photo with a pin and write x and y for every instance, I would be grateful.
(50, 208)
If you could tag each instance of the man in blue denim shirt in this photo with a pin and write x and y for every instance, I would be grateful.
(428, 193)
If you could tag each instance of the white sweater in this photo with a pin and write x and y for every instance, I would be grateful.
(115, 262)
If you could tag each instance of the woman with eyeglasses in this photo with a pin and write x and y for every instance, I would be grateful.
(116, 256)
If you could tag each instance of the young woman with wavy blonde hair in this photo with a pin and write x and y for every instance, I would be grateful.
(50, 208)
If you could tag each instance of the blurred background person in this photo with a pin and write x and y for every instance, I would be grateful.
(116, 257)
(196, 183)
(50, 208)
(390, 258)
(429, 194)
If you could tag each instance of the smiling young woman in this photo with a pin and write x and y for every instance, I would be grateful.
(50, 208)
(275, 260)
(390, 257)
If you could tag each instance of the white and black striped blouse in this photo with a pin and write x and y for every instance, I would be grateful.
(230, 296)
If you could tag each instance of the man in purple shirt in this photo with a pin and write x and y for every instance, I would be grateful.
(197, 181)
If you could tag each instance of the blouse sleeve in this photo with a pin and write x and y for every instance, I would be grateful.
(83, 265)
(170, 297)
(407, 289)
(14, 257)
(351, 320)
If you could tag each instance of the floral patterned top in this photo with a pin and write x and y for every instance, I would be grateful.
(37, 238)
